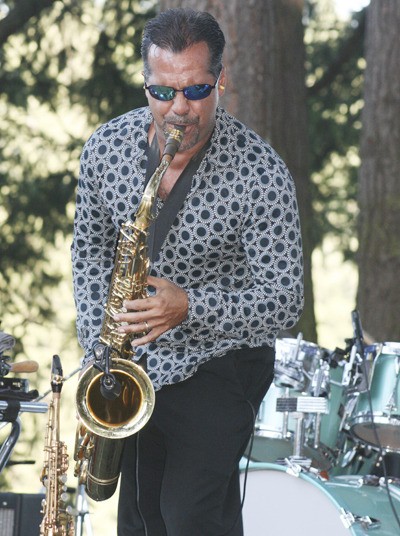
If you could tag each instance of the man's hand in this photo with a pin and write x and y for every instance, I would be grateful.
(156, 314)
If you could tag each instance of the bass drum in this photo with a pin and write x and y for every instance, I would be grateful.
(280, 504)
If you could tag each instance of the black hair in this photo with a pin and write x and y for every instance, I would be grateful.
(178, 29)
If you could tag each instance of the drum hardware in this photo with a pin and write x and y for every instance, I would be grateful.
(15, 397)
(289, 375)
(366, 522)
(8, 445)
(81, 513)
(14, 388)
(275, 431)
(320, 384)
(355, 457)
(288, 371)
(320, 387)
(388, 463)
(270, 424)
(348, 367)
(299, 407)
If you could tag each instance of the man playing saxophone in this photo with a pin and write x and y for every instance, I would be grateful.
(226, 277)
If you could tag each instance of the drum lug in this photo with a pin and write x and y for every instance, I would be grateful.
(366, 522)
(347, 518)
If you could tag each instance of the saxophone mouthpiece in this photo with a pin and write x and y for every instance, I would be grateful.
(173, 141)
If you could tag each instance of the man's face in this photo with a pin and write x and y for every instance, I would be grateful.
(187, 68)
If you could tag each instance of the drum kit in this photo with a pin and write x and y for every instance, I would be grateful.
(325, 453)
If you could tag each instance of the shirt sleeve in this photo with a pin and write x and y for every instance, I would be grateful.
(271, 238)
(92, 253)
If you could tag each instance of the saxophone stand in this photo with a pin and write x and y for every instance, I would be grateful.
(80, 510)
(81, 513)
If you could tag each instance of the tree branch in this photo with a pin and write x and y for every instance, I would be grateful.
(344, 53)
(17, 17)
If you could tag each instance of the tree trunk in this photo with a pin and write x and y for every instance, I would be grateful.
(378, 296)
(266, 90)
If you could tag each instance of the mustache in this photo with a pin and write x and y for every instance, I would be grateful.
(180, 121)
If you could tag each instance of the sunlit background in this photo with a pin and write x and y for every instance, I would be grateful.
(335, 287)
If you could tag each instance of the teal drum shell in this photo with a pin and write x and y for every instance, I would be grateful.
(330, 422)
(383, 423)
(278, 503)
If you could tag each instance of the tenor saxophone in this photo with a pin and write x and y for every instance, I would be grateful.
(57, 519)
(115, 396)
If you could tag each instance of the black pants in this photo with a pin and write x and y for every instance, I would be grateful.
(180, 473)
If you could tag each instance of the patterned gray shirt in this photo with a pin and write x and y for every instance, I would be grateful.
(235, 245)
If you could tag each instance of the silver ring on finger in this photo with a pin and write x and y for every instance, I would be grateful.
(148, 328)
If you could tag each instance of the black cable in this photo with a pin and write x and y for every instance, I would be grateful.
(137, 485)
(246, 470)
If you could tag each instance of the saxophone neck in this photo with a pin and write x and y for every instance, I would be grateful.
(144, 213)
(143, 216)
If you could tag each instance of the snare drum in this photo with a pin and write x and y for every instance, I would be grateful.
(384, 391)
(280, 504)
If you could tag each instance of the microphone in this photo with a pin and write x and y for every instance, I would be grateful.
(358, 332)
(6, 342)
(110, 386)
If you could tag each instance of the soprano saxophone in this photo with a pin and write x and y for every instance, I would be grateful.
(115, 396)
(57, 520)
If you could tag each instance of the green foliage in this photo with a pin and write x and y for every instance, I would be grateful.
(75, 65)
(335, 68)
(61, 74)
(115, 83)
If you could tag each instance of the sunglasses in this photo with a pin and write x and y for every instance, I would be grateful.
(167, 93)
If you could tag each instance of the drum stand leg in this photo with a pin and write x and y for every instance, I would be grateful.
(299, 407)
(299, 435)
(317, 431)
(9, 444)
(285, 423)
(82, 513)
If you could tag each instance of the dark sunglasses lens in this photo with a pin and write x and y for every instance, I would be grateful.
(162, 93)
(198, 92)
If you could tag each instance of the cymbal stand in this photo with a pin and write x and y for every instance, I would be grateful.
(81, 513)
